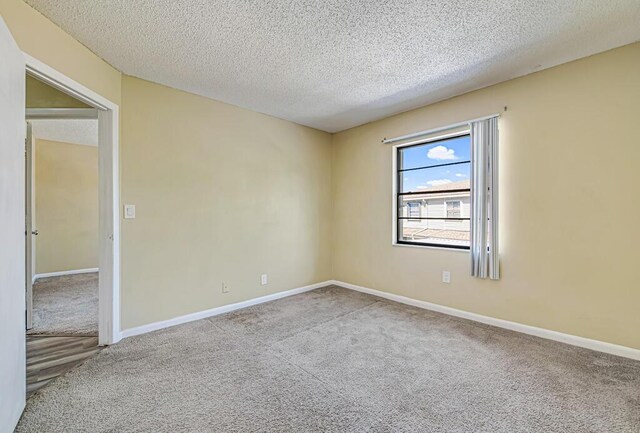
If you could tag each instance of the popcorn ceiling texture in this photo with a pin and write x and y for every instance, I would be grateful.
(74, 131)
(336, 64)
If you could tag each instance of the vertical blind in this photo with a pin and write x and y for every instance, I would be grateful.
(485, 260)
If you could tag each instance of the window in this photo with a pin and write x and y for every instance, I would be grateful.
(453, 209)
(413, 210)
(435, 173)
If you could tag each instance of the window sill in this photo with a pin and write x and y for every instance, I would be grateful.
(430, 247)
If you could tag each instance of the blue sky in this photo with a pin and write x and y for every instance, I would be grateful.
(443, 152)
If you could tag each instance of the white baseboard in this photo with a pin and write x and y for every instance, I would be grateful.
(59, 273)
(573, 340)
(218, 310)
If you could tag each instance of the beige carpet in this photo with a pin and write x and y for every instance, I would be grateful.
(65, 305)
(334, 360)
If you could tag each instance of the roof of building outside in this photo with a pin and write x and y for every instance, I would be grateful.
(463, 184)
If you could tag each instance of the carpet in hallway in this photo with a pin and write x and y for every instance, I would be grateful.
(66, 305)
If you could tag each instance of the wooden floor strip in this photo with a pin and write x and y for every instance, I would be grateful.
(51, 356)
(36, 355)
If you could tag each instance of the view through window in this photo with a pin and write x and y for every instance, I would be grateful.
(433, 194)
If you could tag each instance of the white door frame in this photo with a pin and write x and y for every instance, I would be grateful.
(109, 197)
(29, 202)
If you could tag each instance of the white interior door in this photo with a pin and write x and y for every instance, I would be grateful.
(12, 244)
(30, 229)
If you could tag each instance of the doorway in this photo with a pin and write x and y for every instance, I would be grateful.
(62, 232)
(61, 199)
(105, 113)
(12, 214)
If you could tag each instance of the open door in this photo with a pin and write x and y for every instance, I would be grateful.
(12, 245)
(30, 230)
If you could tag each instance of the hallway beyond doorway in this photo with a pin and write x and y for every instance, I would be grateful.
(66, 305)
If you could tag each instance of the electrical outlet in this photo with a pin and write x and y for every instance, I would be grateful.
(225, 287)
(446, 277)
(264, 279)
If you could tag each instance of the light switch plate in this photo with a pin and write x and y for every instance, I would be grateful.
(446, 277)
(129, 211)
(264, 279)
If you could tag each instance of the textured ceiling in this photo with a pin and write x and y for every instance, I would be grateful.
(335, 64)
(83, 131)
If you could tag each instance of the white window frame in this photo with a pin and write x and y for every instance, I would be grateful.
(455, 131)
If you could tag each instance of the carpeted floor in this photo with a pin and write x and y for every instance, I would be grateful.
(65, 305)
(334, 360)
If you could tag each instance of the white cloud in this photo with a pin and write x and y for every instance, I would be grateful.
(436, 182)
(441, 152)
(461, 175)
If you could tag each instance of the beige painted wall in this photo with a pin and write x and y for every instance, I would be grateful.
(569, 156)
(221, 194)
(41, 95)
(66, 206)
